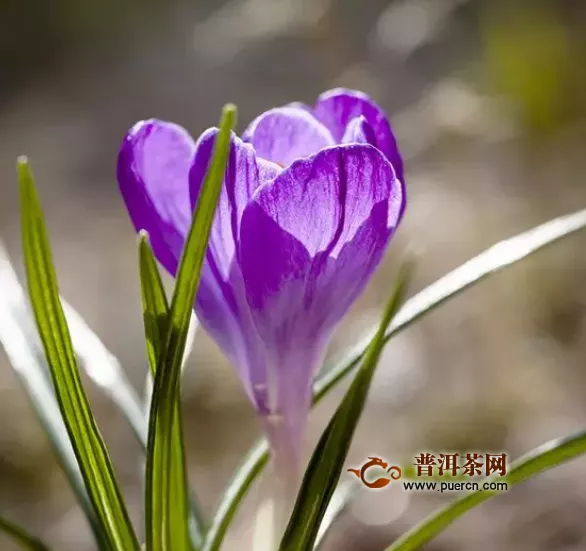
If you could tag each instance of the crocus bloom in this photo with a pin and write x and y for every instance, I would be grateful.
(310, 200)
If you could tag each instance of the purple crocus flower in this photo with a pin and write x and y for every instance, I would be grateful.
(311, 198)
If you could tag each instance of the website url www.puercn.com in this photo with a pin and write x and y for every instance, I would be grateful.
(455, 486)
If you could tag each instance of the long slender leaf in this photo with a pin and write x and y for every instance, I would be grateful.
(89, 448)
(154, 302)
(340, 500)
(166, 383)
(21, 536)
(327, 461)
(148, 385)
(156, 312)
(20, 338)
(541, 459)
(107, 373)
(104, 369)
(492, 260)
(29, 367)
(253, 464)
(101, 366)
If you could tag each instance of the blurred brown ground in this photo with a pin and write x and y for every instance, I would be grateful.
(487, 99)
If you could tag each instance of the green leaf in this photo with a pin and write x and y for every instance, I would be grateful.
(28, 362)
(541, 459)
(86, 440)
(19, 336)
(473, 271)
(166, 384)
(155, 313)
(253, 464)
(342, 497)
(21, 536)
(103, 368)
(327, 461)
(105, 371)
(154, 302)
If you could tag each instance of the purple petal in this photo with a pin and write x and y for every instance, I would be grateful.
(222, 310)
(153, 165)
(324, 223)
(323, 200)
(276, 290)
(300, 105)
(339, 280)
(359, 131)
(221, 304)
(305, 220)
(285, 134)
(337, 108)
(244, 174)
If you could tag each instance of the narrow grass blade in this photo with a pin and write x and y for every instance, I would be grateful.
(490, 261)
(541, 459)
(253, 464)
(148, 384)
(89, 448)
(166, 384)
(340, 500)
(97, 361)
(327, 461)
(155, 306)
(104, 369)
(155, 313)
(21, 536)
(29, 366)
(100, 365)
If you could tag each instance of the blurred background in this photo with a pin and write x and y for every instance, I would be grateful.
(487, 101)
